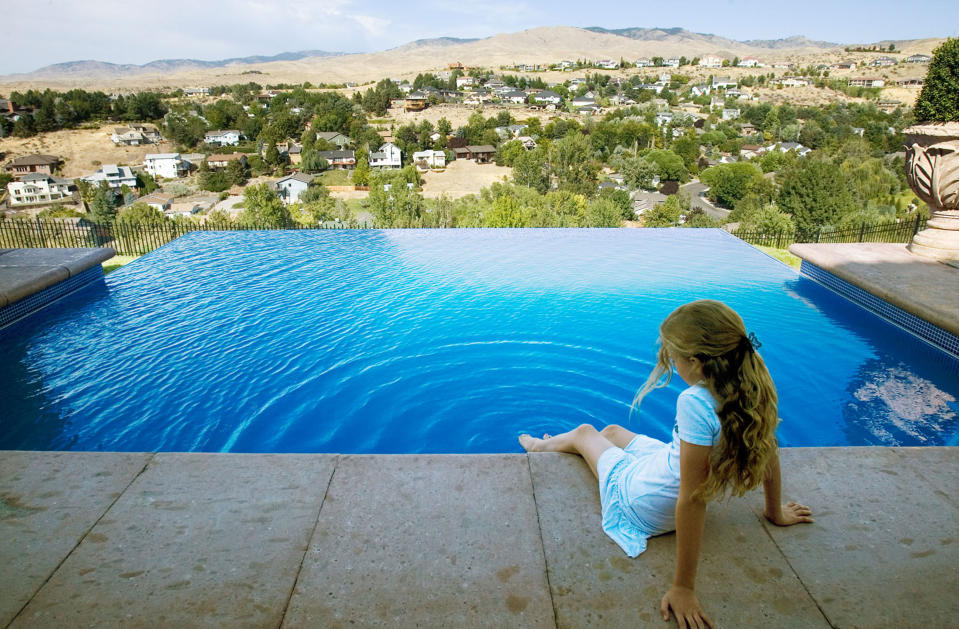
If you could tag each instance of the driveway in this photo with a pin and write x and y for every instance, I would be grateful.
(697, 194)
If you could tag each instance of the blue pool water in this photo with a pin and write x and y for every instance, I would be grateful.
(440, 341)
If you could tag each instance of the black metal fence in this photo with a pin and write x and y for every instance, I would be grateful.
(901, 231)
(138, 238)
(131, 239)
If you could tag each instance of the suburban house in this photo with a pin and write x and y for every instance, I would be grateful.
(224, 137)
(339, 159)
(711, 61)
(182, 208)
(196, 91)
(528, 143)
(389, 156)
(846, 65)
(167, 165)
(730, 114)
(429, 159)
(547, 96)
(793, 81)
(582, 101)
(289, 188)
(915, 83)
(749, 62)
(157, 200)
(644, 62)
(333, 137)
(664, 118)
(671, 62)
(700, 90)
(135, 135)
(416, 101)
(480, 153)
(883, 62)
(918, 59)
(464, 81)
(216, 161)
(566, 64)
(115, 177)
(608, 64)
(749, 151)
(867, 82)
(38, 189)
(723, 82)
(514, 96)
(43, 164)
(747, 130)
(785, 147)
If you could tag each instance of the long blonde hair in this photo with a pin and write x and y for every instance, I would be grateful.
(736, 376)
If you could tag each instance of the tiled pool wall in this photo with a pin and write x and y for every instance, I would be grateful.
(929, 332)
(28, 305)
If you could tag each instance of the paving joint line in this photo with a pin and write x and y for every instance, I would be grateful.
(309, 543)
(795, 572)
(146, 464)
(542, 544)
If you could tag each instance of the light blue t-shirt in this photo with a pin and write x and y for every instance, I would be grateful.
(696, 422)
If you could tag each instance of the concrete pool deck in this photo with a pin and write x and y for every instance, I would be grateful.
(514, 540)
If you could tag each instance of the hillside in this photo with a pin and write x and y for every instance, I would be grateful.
(539, 45)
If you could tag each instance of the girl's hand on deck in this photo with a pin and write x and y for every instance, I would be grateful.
(790, 513)
(685, 605)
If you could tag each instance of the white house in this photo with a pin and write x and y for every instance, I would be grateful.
(157, 200)
(289, 188)
(723, 82)
(711, 61)
(514, 96)
(671, 62)
(918, 59)
(389, 156)
(793, 81)
(464, 81)
(664, 118)
(608, 64)
(38, 188)
(582, 101)
(429, 159)
(167, 165)
(730, 114)
(135, 135)
(225, 137)
(115, 176)
(644, 62)
(547, 96)
(749, 62)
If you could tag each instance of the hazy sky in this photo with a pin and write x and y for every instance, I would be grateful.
(42, 32)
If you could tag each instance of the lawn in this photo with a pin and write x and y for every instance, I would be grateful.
(116, 262)
(335, 177)
(782, 255)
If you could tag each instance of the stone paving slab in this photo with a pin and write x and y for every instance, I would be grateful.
(198, 540)
(884, 551)
(425, 541)
(743, 580)
(48, 502)
(923, 287)
(24, 272)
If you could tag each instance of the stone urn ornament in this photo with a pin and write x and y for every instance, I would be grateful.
(932, 156)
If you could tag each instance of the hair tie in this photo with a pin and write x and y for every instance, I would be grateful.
(752, 343)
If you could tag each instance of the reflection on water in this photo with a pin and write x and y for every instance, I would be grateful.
(892, 405)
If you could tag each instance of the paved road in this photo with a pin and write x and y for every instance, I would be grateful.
(696, 191)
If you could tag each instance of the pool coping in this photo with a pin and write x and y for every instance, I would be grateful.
(456, 540)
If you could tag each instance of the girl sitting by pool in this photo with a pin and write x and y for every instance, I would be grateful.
(724, 439)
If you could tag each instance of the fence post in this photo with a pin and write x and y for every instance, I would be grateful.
(862, 231)
(40, 232)
(915, 229)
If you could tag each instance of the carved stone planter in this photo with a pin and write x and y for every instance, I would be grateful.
(932, 170)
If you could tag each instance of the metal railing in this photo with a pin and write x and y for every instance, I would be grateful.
(901, 231)
(140, 238)
(124, 237)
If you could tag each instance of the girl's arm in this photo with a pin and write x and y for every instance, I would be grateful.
(776, 512)
(690, 518)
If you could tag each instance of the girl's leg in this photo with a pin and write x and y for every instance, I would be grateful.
(617, 435)
(583, 440)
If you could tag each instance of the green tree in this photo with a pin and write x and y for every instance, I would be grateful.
(361, 174)
(506, 212)
(669, 165)
(237, 172)
(604, 212)
(729, 183)
(146, 183)
(262, 207)
(768, 219)
(530, 171)
(572, 164)
(103, 205)
(665, 214)
(815, 193)
(637, 172)
(393, 203)
(142, 214)
(939, 99)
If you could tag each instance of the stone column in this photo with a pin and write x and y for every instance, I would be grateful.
(932, 170)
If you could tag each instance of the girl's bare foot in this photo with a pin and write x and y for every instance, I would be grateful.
(530, 443)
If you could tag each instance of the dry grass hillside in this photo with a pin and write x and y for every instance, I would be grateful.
(538, 45)
(83, 150)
